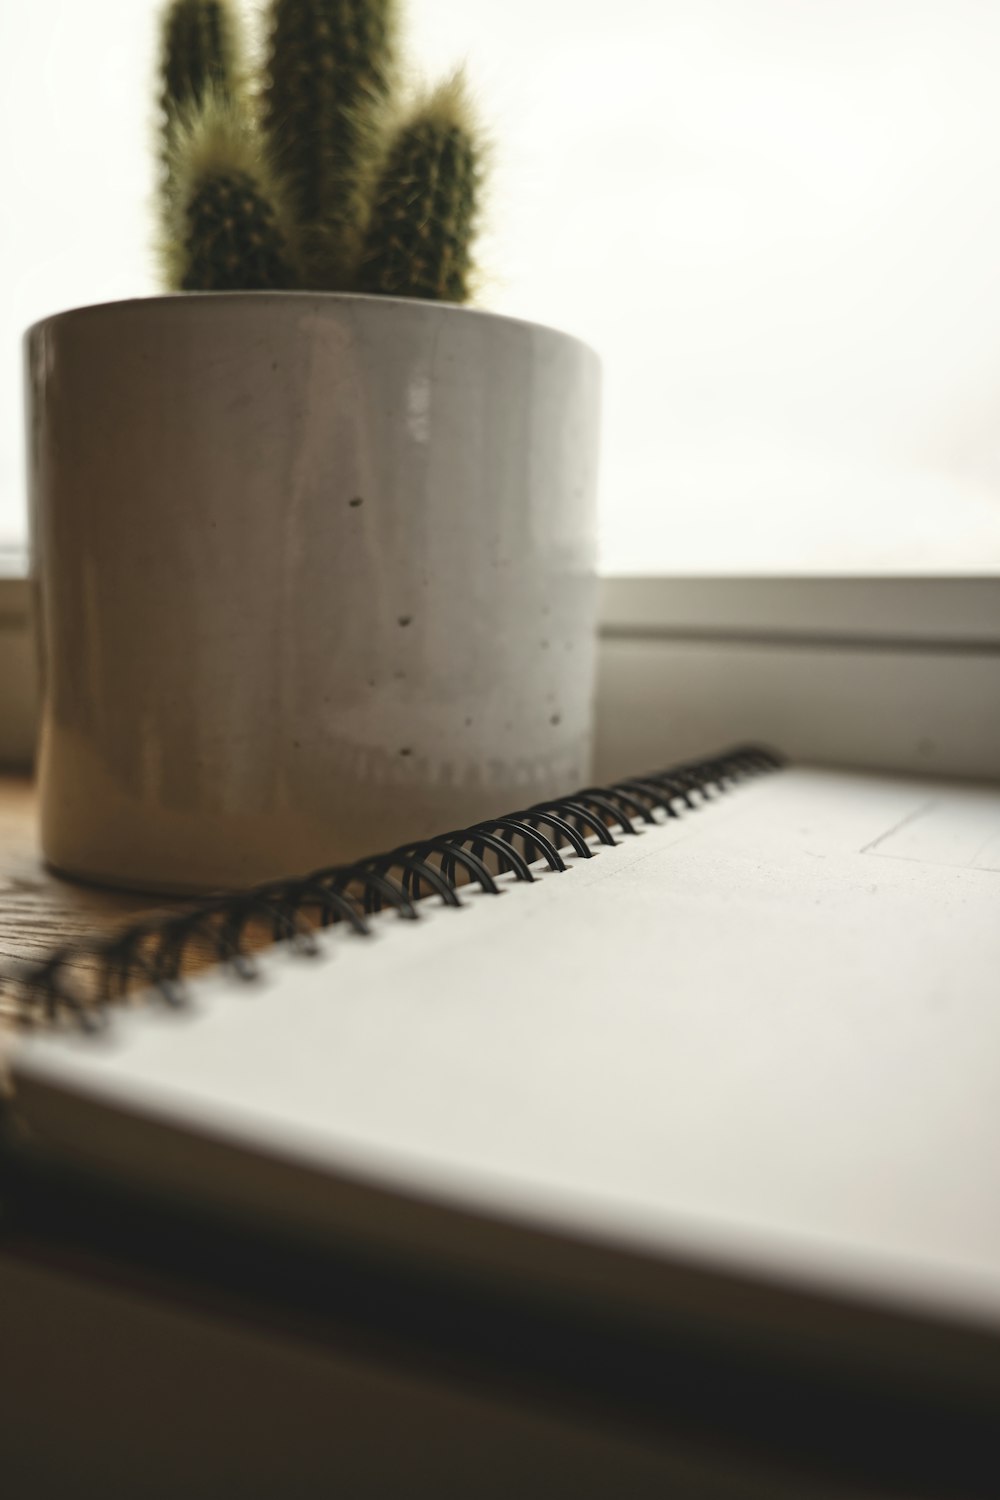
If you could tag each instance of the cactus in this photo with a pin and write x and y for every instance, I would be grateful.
(199, 51)
(301, 182)
(418, 239)
(329, 71)
(228, 227)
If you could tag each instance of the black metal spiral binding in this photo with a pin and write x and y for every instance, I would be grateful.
(151, 953)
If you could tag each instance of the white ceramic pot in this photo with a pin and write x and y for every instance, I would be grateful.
(315, 576)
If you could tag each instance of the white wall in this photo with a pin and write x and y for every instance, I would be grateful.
(778, 221)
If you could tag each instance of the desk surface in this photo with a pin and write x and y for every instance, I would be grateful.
(132, 1330)
(40, 911)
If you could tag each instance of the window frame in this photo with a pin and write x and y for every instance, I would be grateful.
(898, 672)
(18, 690)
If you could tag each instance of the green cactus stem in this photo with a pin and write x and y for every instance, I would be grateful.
(229, 229)
(297, 179)
(199, 49)
(418, 241)
(329, 71)
(233, 240)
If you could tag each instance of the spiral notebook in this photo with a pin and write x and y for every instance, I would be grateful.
(720, 1044)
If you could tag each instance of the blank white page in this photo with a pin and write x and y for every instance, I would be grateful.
(766, 1033)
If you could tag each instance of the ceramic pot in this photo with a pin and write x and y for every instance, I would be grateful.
(315, 576)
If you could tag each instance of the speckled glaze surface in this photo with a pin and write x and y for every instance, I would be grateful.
(314, 575)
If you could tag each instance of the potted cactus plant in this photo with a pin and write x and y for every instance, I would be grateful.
(314, 540)
(315, 177)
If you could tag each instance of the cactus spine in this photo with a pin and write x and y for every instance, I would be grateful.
(233, 240)
(199, 52)
(300, 181)
(227, 228)
(419, 235)
(329, 70)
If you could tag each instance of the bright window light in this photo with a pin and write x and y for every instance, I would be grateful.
(778, 223)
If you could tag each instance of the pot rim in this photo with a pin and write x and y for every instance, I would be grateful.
(432, 308)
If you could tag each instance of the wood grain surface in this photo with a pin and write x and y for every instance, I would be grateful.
(41, 911)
